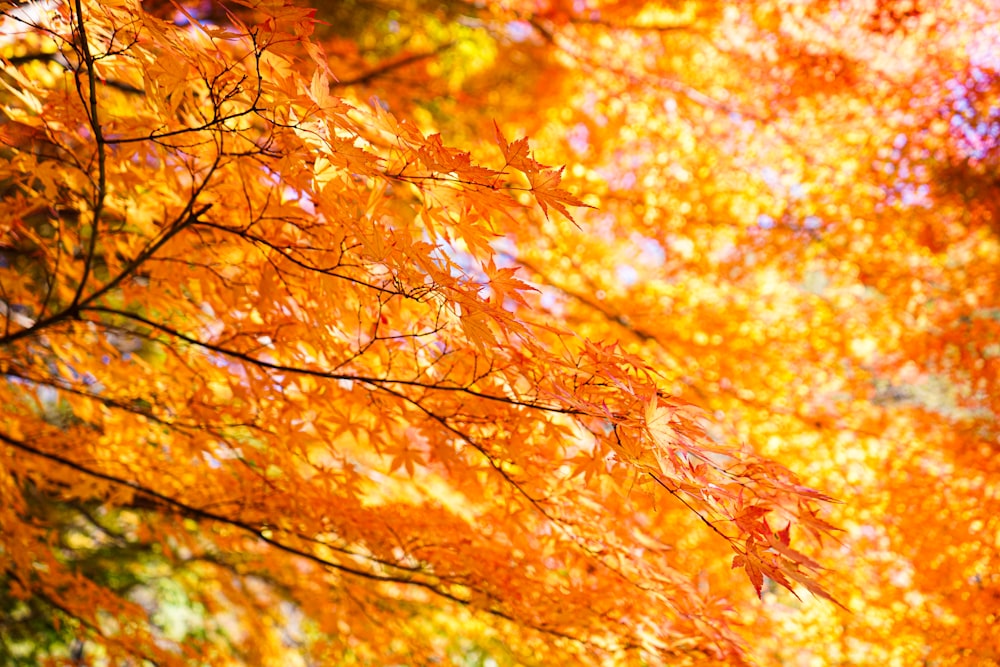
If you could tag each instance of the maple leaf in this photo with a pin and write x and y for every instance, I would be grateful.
(546, 190)
(475, 324)
(407, 459)
(544, 181)
(754, 573)
(504, 285)
(515, 154)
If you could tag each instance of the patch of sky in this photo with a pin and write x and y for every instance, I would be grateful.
(506, 251)
(193, 11)
(651, 250)
(305, 202)
(979, 132)
(211, 460)
(626, 275)
(552, 300)
(604, 225)
(648, 253)
(47, 394)
(621, 174)
(918, 196)
(579, 138)
(519, 31)
(461, 262)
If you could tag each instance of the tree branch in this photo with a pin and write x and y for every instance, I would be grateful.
(90, 100)
(379, 382)
(388, 66)
(185, 509)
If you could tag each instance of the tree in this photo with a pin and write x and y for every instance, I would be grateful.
(807, 188)
(257, 343)
(287, 377)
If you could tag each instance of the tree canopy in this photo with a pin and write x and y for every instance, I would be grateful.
(522, 332)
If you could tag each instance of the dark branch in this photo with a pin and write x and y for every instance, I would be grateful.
(257, 532)
(389, 66)
(100, 146)
(378, 382)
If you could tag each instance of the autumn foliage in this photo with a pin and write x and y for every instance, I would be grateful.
(499, 333)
